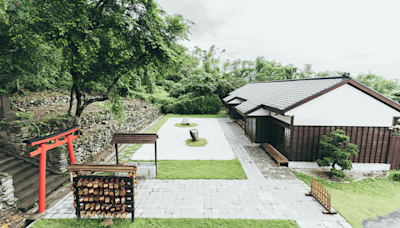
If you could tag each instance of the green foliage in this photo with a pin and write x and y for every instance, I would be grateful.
(395, 176)
(337, 150)
(171, 222)
(174, 77)
(24, 115)
(168, 85)
(384, 86)
(177, 90)
(209, 104)
(103, 41)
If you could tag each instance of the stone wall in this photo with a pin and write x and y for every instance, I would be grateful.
(7, 199)
(46, 101)
(97, 129)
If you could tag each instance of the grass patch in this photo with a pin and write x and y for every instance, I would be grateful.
(200, 169)
(191, 125)
(362, 200)
(157, 222)
(198, 143)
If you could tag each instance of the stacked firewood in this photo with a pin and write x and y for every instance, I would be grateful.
(104, 196)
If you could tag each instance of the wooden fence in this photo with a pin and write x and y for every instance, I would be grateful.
(372, 142)
(322, 196)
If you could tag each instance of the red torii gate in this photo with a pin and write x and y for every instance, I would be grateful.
(42, 151)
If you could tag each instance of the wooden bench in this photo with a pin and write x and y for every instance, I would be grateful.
(278, 157)
(241, 123)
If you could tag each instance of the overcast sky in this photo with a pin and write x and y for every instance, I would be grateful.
(351, 35)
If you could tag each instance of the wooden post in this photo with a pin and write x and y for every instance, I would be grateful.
(155, 147)
(116, 151)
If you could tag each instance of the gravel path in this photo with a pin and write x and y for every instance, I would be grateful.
(171, 144)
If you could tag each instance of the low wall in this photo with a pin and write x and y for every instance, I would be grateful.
(7, 199)
(97, 128)
(364, 167)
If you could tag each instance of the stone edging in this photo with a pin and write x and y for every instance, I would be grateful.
(348, 182)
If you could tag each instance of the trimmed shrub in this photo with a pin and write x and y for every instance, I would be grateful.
(168, 85)
(177, 90)
(396, 176)
(209, 104)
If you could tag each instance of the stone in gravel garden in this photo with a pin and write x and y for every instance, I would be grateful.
(186, 121)
(194, 133)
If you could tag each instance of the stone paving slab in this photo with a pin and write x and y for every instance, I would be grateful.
(262, 196)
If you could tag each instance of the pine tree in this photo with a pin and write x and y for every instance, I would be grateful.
(337, 150)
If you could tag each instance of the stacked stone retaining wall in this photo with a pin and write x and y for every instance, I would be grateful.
(7, 199)
(97, 128)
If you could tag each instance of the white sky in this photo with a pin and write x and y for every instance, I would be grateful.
(344, 35)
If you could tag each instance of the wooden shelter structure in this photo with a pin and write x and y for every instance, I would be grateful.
(140, 138)
(293, 115)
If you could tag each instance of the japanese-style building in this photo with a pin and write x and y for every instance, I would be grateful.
(292, 116)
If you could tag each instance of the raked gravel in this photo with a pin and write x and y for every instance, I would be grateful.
(171, 144)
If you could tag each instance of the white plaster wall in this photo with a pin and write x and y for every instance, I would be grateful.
(344, 106)
(286, 119)
(260, 112)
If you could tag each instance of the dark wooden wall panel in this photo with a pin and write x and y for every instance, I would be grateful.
(293, 143)
(385, 145)
(372, 142)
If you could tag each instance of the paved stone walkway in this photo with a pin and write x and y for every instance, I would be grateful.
(265, 195)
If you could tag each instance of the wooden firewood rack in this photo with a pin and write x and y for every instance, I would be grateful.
(322, 196)
(130, 181)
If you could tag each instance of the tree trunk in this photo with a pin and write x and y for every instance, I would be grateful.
(71, 101)
(79, 105)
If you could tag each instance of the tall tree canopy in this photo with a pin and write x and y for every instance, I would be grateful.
(102, 40)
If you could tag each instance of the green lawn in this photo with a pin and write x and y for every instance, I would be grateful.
(200, 142)
(363, 199)
(200, 169)
(191, 125)
(155, 222)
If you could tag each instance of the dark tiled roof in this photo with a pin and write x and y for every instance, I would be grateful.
(281, 94)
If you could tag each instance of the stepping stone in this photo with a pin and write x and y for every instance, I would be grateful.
(125, 159)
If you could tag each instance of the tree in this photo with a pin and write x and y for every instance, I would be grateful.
(25, 60)
(387, 87)
(337, 150)
(103, 40)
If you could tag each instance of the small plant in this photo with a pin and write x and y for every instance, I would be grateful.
(395, 129)
(396, 176)
(24, 115)
(200, 142)
(337, 150)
